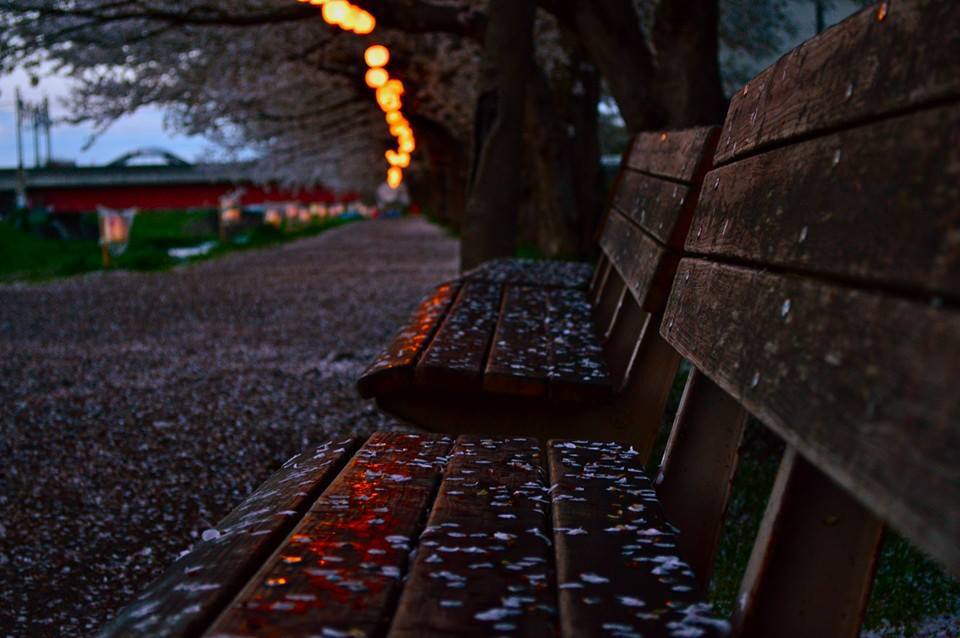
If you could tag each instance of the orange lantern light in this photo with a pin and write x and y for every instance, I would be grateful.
(349, 20)
(394, 177)
(394, 117)
(396, 86)
(388, 100)
(375, 78)
(365, 23)
(375, 56)
(336, 11)
(407, 145)
(401, 130)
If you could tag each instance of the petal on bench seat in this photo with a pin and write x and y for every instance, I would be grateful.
(542, 273)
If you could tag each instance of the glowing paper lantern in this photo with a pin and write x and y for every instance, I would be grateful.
(365, 23)
(396, 86)
(407, 145)
(376, 78)
(394, 177)
(394, 117)
(375, 56)
(401, 130)
(336, 11)
(387, 99)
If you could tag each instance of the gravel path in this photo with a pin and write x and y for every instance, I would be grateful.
(138, 409)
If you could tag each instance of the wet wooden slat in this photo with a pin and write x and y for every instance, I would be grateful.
(455, 358)
(393, 369)
(546, 273)
(645, 265)
(662, 208)
(341, 569)
(618, 571)
(852, 378)
(813, 561)
(838, 206)
(854, 71)
(678, 155)
(577, 369)
(485, 562)
(201, 583)
(519, 355)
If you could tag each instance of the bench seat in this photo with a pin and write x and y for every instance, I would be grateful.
(430, 535)
(513, 327)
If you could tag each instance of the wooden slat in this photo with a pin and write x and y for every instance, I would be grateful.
(485, 562)
(599, 272)
(520, 352)
(660, 207)
(393, 369)
(862, 383)
(644, 264)
(678, 155)
(623, 339)
(888, 58)
(201, 583)
(700, 461)
(813, 561)
(617, 564)
(340, 570)
(577, 369)
(840, 206)
(605, 308)
(455, 358)
(547, 273)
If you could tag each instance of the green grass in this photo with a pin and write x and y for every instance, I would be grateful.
(24, 256)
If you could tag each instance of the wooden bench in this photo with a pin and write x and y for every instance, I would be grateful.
(545, 348)
(819, 290)
(428, 535)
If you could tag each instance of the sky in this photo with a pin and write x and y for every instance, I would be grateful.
(143, 128)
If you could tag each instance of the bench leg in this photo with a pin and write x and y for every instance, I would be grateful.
(813, 560)
(698, 468)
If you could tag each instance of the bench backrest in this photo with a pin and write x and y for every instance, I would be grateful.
(821, 282)
(649, 215)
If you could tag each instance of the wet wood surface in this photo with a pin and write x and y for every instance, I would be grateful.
(543, 273)
(520, 354)
(645, 265)
(484, 566)
(618, 568)
(852, 378)
(677, 155)
(393, 368)
(201, 583)
(339, 573)
(889, 58)
(660, 207)
(839, 206)
(455, 358)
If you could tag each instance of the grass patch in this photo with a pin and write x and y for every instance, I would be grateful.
(25, 256)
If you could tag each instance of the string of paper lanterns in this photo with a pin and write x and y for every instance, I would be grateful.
(389, 91)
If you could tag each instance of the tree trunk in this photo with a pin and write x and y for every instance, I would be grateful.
(490, 224)
(443, 192)
(687, 84)
(611, 35)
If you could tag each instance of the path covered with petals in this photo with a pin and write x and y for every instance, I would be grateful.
(138, 409)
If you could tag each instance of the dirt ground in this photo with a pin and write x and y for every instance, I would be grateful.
(137, 409)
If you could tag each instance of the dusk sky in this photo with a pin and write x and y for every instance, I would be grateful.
(145, 128)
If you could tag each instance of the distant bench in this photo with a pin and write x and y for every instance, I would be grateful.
(550, 349)
(818, 289)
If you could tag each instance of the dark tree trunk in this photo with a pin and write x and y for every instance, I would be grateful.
(610, 33)
(490, 223)
(442, 192)
(687, 83)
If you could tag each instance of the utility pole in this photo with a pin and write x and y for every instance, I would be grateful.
(35, 112)
(820, 17)
(46, 124)
(21, 178)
